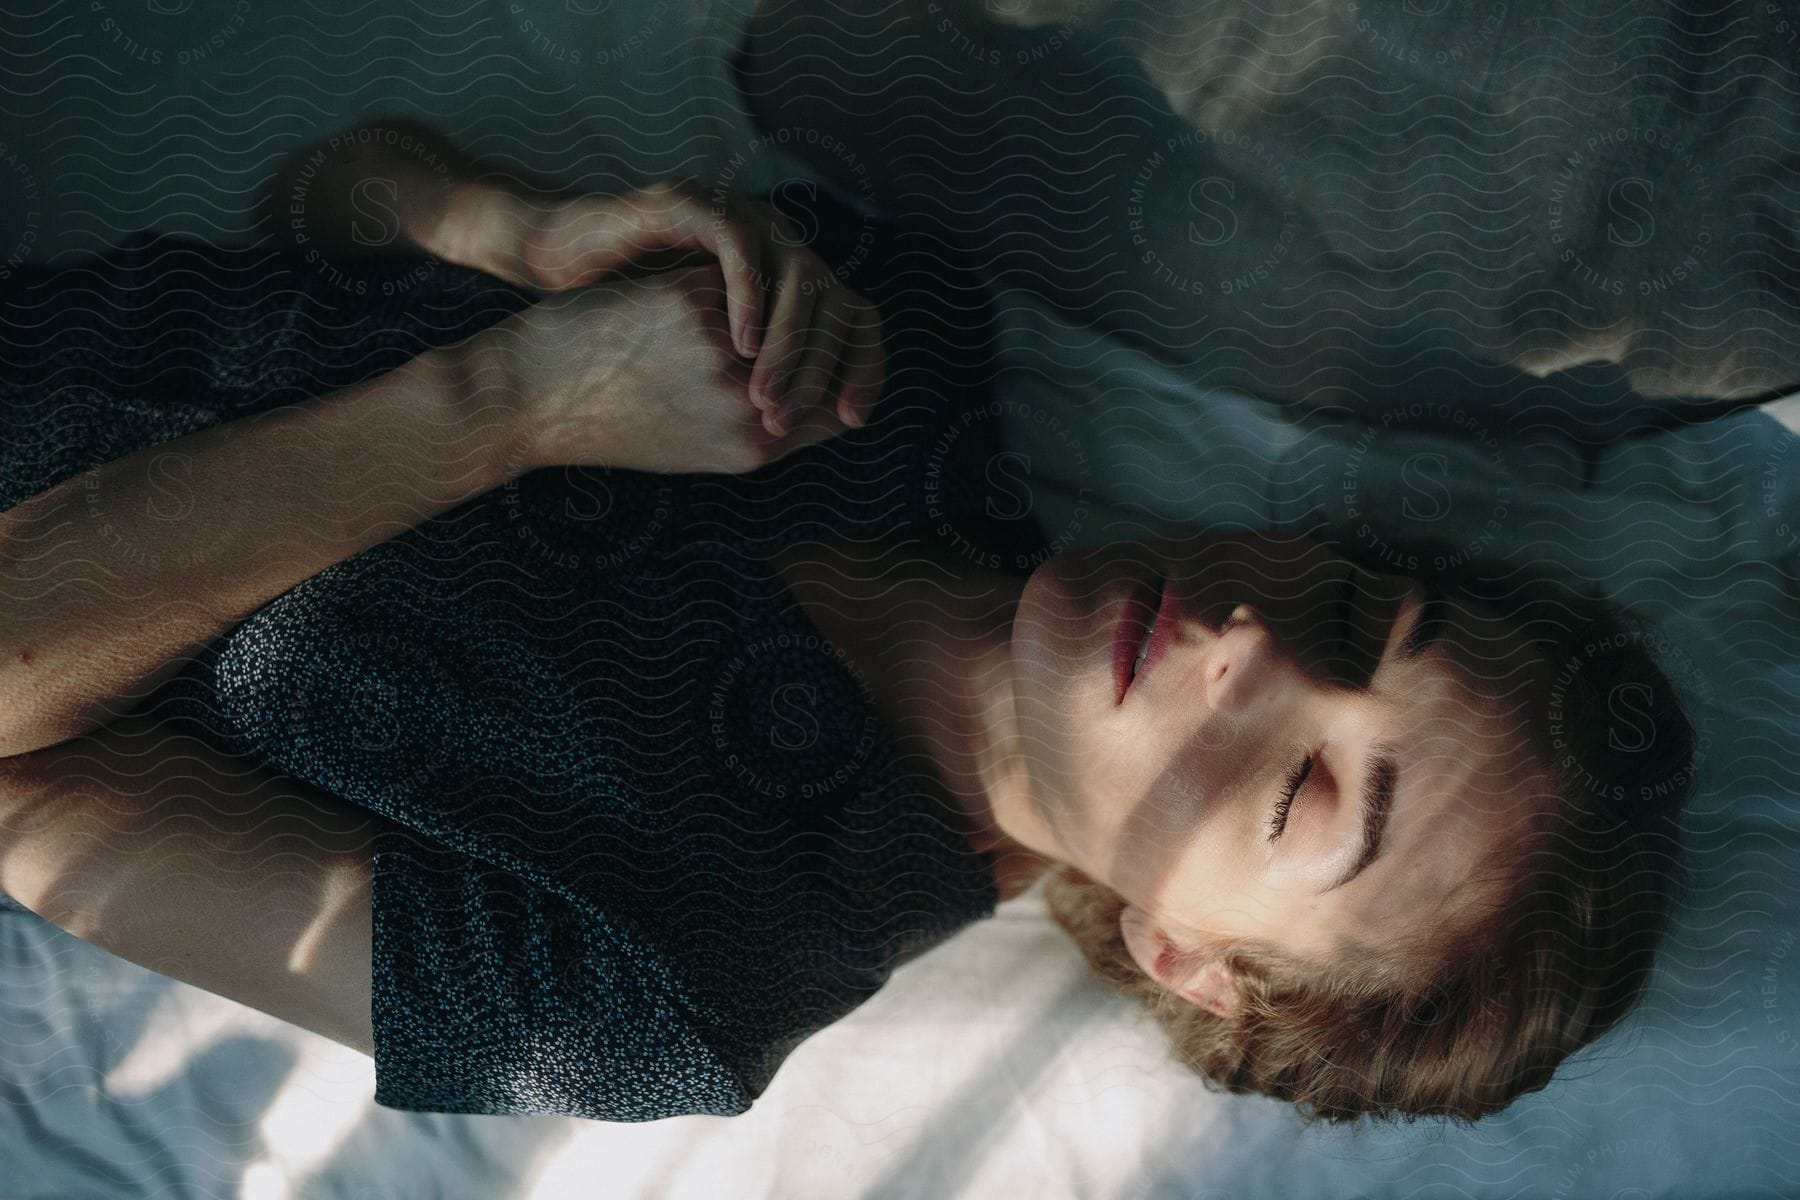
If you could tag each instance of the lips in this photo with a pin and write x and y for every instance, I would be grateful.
(1162, 633)
(1139, 611)
(1141, 619)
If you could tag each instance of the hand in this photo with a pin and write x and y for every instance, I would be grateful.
(812, 338)
(640, 374)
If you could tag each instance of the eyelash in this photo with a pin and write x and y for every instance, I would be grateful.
(1296, 779)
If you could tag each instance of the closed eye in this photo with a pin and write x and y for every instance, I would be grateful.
(1284, 799)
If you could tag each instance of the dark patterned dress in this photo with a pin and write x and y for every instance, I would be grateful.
(641, 829)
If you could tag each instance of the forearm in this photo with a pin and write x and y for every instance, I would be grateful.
(216, 871)
(368, 190)
(398, 187)
(111, 579)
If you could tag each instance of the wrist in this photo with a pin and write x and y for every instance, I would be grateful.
(467, 225)
(479, 384)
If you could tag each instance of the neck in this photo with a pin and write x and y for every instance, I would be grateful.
(933, 638)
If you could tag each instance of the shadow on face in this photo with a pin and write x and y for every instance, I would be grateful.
(1253, 737)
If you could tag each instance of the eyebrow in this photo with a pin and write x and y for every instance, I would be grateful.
(1382, 778)
(1428, 627)
(1377, 801)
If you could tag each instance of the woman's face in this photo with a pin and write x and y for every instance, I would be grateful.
(1312, 754)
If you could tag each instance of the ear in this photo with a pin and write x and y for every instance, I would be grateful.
(1211, 984)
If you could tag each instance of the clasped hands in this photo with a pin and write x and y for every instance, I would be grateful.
(719, 367)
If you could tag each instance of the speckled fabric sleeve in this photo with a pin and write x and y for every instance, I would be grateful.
(641, 829)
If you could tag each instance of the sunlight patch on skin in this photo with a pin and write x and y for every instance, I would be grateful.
(345, 884)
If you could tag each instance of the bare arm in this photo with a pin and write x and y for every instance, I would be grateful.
(111, 580)
(212, 870)
(396, 187)
(219, 871)
(226, 873)
(107, 586)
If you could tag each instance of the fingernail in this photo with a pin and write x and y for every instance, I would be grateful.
(772, 386)
(787, 415)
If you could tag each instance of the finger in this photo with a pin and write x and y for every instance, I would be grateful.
(763, 257)
(862, 366)
(814, 425)
(775, 254)
(739, 251)
(764, 265)
(678, 215)
(785, 342)
(813, 384)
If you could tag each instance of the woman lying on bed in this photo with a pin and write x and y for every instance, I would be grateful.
(577, 702)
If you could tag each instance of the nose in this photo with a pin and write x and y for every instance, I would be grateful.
(1245, 662)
